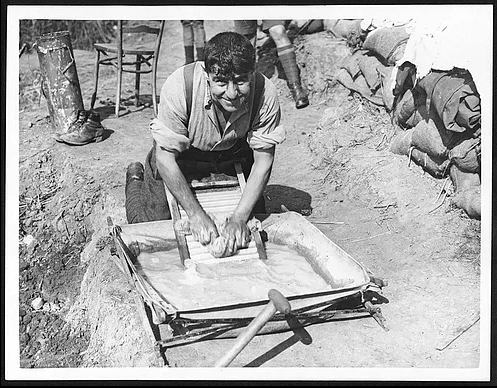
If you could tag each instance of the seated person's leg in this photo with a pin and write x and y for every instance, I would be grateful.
(288, 59)
(145, 193)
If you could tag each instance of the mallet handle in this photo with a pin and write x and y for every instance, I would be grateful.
(277, 302)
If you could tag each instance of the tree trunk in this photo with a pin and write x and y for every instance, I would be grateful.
(60, 83)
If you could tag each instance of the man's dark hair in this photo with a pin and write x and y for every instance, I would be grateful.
(229, 53)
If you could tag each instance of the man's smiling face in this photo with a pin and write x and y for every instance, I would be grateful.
(229, 92)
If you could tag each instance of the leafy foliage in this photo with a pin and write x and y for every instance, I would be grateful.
(83, 32)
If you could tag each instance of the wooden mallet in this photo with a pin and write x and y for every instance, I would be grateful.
(277, 302)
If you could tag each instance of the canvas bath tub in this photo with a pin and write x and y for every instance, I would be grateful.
(217, 298)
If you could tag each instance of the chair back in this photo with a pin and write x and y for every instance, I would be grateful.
(152, 36)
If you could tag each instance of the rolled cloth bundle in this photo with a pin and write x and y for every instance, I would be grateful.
(466, 154)
(454, 97)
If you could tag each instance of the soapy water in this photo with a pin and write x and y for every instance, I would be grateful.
(201, 285)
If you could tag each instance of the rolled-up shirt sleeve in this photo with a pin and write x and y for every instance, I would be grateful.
(267, 131)
(170, 128)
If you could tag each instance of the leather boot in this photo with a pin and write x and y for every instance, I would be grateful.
(135, 171)
(91, 131)
(299, 95)
(75, 125)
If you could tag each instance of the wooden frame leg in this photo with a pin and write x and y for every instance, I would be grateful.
(95, 82)
(184, 253)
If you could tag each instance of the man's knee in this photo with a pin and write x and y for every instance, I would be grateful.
(278, 33)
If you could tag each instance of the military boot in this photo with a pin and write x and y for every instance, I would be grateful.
(74, 126)
(134, 191)
(299, 94)
(135, 171)
(91, 131)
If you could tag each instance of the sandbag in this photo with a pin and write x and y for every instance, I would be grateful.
(463, 180)
(410, 108)
(342, 28)
(371, 68)
(451, 92)
(351, 64)
(428, 138)
(401, 143)
(469, 201)
(386, 88)
(404, 109)
(420, 114)
(388, 43)
(432, 165)
(466, 155)
(358, 85)
(468, 191)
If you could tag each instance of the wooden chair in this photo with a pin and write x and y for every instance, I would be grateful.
(122, 51)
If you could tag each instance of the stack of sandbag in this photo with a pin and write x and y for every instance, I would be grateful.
(361, 73)
(440, 122)
(368, 70)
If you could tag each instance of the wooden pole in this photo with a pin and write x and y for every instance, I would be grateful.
(277, 302)
(60, 83)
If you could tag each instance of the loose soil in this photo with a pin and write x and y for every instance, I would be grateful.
(335, 168)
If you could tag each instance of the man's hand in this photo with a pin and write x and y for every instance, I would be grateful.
(203, 228)
(237, 233)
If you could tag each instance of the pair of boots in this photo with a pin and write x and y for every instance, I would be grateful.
(85, 129)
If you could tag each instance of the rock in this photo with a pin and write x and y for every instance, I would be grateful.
(37, 303)
(26, 319)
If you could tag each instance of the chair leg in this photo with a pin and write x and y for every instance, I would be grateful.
(119, 81)
(137, 80)
(95, 82)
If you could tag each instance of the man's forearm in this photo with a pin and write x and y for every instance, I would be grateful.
(256, 183)
(176, 182)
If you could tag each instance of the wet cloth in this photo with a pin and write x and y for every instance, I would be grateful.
(172, 130)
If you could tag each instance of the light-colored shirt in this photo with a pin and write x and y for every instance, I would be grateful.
(172, 131)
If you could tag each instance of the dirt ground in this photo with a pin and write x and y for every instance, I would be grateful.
(335, 168)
